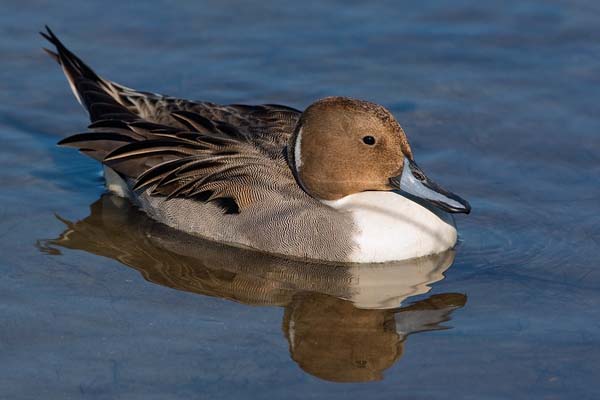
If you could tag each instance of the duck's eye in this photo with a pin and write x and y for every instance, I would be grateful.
(370, 140)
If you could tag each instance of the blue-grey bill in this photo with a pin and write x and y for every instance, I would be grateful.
(414, 182)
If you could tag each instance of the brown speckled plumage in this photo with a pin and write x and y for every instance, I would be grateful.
(211, 170)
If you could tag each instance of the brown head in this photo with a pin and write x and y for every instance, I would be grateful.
(343, 146)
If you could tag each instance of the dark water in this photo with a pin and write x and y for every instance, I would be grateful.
(500, 102)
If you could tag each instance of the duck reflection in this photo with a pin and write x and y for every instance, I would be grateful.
(333, 340)
(344, 323)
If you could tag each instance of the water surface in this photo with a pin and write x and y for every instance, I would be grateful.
(499, 101)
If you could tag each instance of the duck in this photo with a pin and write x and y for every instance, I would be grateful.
(336, 182)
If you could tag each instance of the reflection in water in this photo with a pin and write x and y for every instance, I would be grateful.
(333, 340)
(343, 323)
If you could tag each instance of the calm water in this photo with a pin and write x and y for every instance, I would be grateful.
(500, 102)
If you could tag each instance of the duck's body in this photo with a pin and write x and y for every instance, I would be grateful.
(362, 228)
(243, 174)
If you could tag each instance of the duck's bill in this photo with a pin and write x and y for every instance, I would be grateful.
(414, 182)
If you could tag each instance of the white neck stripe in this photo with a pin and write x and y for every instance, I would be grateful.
(298, 152)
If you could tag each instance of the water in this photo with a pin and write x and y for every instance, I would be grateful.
(499, 101)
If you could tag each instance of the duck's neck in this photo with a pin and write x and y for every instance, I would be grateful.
(391, 227)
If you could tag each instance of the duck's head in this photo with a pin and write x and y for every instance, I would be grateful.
(343, 146)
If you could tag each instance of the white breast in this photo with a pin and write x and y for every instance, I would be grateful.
(392, 227)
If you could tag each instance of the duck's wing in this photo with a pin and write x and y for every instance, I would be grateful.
(269, 126)
(178, 148)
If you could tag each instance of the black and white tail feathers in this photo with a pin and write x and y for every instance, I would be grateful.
(100, 97)
(179, 148)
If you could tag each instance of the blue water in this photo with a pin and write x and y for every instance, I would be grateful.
(499, 100)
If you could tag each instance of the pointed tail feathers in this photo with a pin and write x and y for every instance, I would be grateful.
(99, 96)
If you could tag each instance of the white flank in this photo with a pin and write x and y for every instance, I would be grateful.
(392, 227)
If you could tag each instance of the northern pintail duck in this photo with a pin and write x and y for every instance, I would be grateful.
(337, 182)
